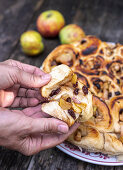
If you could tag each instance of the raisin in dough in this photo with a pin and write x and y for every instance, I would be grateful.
(99, 66)
(68, 101)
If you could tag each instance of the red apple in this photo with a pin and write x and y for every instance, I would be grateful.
(71, 33)
(50, 22)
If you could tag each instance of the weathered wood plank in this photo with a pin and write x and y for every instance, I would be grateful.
(11, 160)
(88, 166)
(53, 159)
(13, 22)
(112, 29)
(101, 18)
(4, 6)
(118, 168)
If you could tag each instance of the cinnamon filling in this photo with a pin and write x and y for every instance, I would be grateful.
(102, 87)
(108, 51)
(97, 84)
(83, 79)
(65, 102)
(121, 139)
(115, 68)
(78, 135)
(93, 63)
(96, 114)
(89, 50)
(66, 56)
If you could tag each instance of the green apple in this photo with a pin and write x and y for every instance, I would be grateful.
(50, 22)
(71, 33)
(31, 43)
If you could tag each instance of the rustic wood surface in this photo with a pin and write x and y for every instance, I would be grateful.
(101, 18)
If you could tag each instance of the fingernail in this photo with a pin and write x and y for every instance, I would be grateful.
(46, 77)
(63, 128)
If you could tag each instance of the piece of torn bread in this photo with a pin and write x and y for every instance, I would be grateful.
(68, 99)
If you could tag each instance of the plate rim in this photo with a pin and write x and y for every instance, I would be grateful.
(82, 158)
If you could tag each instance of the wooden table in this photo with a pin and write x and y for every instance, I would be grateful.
(103, 18)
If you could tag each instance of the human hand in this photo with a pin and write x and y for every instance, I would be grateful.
(30, 130)
(16, 83)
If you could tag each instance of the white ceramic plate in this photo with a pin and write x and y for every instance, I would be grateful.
(83, 155)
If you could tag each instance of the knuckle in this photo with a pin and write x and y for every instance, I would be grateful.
(18, 71)
(12, 62)
(35, 70)
(9, 61)
(46, 126)
(16, 74)
(33, 78)
(26, 126)
(49, 126)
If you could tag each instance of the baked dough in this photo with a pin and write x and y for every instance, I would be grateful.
(67, 100)
(99, 66)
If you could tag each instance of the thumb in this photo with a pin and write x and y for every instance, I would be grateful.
(30, 80)
(42, 125)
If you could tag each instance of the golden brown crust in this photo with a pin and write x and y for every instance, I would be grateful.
(116, 106)
(102, 118)
(91, 139)
(53, 109)
(88, 138)
(64, 54)
(64, 83)
(59, 76)
(99, 66)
